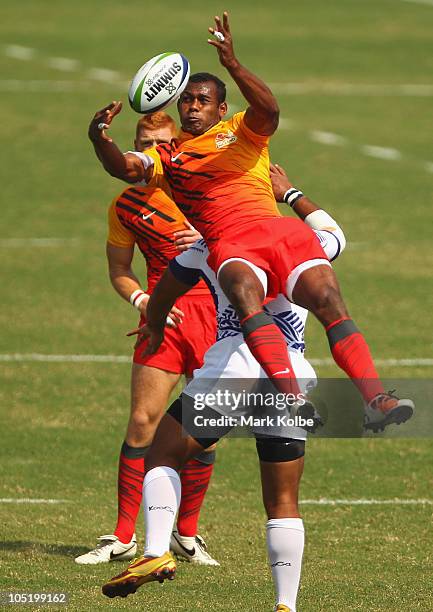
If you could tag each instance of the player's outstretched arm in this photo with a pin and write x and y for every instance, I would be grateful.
(281, 186)
(263, 113)
(127, 167)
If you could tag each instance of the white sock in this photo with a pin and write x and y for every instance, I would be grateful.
(161, 499)
(285, 541)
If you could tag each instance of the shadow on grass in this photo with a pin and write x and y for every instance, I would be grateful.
(62, 550)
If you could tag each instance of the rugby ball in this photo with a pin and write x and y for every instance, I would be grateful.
(159, 82)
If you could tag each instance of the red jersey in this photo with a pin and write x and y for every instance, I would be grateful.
(147, 217)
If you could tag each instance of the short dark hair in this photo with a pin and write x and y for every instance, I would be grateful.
(204, 77)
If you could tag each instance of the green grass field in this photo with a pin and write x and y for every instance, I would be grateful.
(360, 75)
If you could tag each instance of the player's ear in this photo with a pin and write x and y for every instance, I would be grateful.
(223, 109)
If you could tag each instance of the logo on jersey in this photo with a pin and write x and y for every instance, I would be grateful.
(224, 140)
(145, 217)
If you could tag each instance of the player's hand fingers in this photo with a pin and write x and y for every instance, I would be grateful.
(280, 170)
(176, 314)
(215, 43)
(185, 238)
(105, 109)
(136, 331)
(139, 341)
(189, 226)
(186, 233)
(226, 22)
(116, 109)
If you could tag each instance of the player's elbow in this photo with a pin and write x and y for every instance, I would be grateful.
(339, 234)
(274, 115)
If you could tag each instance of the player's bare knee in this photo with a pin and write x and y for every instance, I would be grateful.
(242, 288)
(327, 303)
(244, 297)
(142, 425)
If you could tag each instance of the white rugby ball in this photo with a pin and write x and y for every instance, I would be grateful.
(159, 82)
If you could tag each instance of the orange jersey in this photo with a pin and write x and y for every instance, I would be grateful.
(220, 179)
(146, 216)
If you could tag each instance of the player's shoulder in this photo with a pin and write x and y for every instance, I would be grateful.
(238, 125)
(163, 151)
(131, 192)
(235, 121)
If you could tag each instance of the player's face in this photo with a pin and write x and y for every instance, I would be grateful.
(199, 109)
(145, 138)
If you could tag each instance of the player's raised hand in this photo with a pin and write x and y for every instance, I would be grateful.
(280, 182)
(186, 238)
(102, 120)
(223, 41)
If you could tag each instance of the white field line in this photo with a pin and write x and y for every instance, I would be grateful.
(19, 52)
(105, 75)
(46, 358)
(367, 502)
(411, 363)
(327, 138)
(38, 242)
(427, 2)
(381, 152)
(66, 358)
(310, 502)
(353, 89)
(63, 63)
(30, 500)
(15, 85)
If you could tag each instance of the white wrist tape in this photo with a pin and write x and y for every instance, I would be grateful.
(292, 195)
(137, 297)
(169, 321)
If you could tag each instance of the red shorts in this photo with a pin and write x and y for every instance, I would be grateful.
(276, 245)
(183, 348)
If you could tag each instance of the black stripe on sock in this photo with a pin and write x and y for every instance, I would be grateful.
(341, 330)
(132, 452)
(258, 320)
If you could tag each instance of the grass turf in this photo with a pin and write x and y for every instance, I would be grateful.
(62, 424)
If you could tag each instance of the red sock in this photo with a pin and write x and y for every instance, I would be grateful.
(129, 490)
(351, 354)
(267, 344)
(195, 477)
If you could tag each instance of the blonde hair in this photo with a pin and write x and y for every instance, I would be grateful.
(155, 121)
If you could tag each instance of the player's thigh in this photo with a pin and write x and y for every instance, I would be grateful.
(317, 290)
(244, 285)
(150, 393)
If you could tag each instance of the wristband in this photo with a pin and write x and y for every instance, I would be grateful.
(137, 297)
(292, 195)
